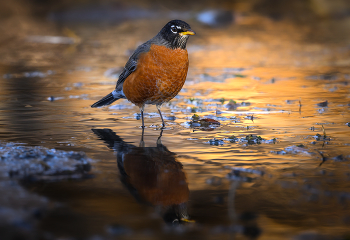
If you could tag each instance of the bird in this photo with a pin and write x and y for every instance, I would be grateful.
(157, 70)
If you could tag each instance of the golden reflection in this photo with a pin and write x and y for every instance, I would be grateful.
(152, 175)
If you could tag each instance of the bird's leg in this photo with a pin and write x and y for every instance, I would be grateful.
(143, 123)
(160, 113)
(142, 143)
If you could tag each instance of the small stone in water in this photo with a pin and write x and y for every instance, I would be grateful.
(323, 104)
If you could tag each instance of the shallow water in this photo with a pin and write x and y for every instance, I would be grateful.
(292, 183)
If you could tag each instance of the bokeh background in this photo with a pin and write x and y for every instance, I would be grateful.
(316, 29)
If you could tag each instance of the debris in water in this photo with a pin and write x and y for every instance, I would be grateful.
(250, 117)
(216, 142)
(78, 84)
(323, 104)
(232, 138)
(52, 98)
(245, 104)
(34, 74)
(295, 149)
(205, 124)
(290, 101)
(339, 158)
(251, 139)
(232, 105)
(170, 118)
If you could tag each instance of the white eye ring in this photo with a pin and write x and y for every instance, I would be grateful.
(172, 28)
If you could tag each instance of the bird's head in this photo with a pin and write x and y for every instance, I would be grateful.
(175, 34)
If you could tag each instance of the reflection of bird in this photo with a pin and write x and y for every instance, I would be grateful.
(151, 174)
(156, 71)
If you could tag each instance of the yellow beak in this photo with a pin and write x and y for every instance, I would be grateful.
(188, 32)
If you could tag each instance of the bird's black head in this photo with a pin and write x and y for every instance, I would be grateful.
(175, 34)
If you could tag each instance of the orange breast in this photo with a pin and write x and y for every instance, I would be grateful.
(159, 76)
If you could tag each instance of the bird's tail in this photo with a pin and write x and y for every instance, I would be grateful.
(106, 100)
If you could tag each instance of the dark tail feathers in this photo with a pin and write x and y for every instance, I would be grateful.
(106, 100)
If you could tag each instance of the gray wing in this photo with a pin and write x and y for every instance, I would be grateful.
(131, 64)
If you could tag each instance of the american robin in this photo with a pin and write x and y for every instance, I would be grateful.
(156, 71)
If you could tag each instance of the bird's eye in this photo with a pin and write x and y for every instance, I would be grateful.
(173, 29)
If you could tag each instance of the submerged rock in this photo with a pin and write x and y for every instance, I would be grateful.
(323, 104)
(25, 161)
(20, 209)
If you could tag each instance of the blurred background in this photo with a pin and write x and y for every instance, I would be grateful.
(314, 30)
